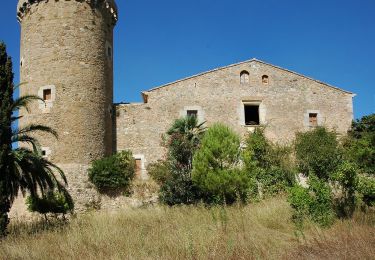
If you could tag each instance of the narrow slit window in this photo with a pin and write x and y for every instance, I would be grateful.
(47, 94)
(193, 113)
(313, 119)
(109, 52)
(244, 77)
(251, 115)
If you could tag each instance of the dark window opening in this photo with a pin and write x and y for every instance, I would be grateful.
(44, 153)
(313, 119)
(109, 52)
(244, 77)
(47, 94)
(265, 79)
(193, 113)
(251, 115)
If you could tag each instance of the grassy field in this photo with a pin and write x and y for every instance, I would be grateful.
(258, 231)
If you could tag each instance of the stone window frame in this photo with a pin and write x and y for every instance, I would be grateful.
(306, 116)
(252, 102)
(199, 109)
(47, 152)
(244, 77)
(46, 105)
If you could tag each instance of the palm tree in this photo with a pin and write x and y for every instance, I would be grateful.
(185, 135)
(25, 168)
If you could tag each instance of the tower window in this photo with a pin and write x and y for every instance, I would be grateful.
(313, 119)
(47, 94)
(244, 77)
(251, 114)
(265, 79)
(193, 113)
(109, 52)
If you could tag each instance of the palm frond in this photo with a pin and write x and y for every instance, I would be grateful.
(24, 101)
(36, 128)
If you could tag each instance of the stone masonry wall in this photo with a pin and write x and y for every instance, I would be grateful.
(219, 97)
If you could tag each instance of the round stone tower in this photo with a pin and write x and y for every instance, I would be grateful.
(67, 59)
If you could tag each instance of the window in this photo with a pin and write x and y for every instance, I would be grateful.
(313, 119)
(47, 94)
(265, 79)
(251, 114)
(193, 113)
(138, 168)
(109, 52)
(244, 77)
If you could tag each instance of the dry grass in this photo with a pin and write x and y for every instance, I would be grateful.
(259, 231)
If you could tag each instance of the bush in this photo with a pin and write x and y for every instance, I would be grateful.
(318, 152)
(174, 174)
(314, 203)
(346, 180)
(216, 168)
(114, 173)
(366, 189)
(270, 165)
(55, 202)
(360, 144)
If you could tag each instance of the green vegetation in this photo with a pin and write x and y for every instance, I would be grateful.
(113, 174)
(174, 174)
(216, 168)
(54, 202)
(261, 230)
(22, 168)
(270, 165)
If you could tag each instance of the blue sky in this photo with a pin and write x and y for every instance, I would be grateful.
(157, 42)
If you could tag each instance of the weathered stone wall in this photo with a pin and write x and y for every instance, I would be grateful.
(284, 106)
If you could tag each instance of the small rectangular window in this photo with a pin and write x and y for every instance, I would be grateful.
(193, 113)
(47, 94)
(109, 52)
(251, 115)
(138, 167)
(313, 119)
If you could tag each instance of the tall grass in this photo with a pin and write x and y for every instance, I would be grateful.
(258, 231)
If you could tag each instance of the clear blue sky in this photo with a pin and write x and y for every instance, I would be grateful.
(157, 42)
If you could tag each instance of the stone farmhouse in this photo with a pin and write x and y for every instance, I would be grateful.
(67, 59)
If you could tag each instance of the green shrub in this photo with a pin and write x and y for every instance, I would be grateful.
(346, 180)
(360, 144)
(216, 168)
(366, 189)
(314, 203)
(318, 152)
(114, 173)
(56, 202)
(174, 174)
(269, 164)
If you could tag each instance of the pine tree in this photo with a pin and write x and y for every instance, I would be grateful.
(6, 102)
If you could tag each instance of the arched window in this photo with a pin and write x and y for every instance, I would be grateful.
(265, 79)
(244, 77)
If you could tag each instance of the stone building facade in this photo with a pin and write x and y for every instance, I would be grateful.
(67, 59)
(243, 96)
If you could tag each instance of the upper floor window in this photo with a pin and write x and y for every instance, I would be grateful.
(47, 94)
(313, 119)
(193, 113)
(244, 77)
(265, 79)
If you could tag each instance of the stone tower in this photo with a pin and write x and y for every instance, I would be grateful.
(67, 59)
